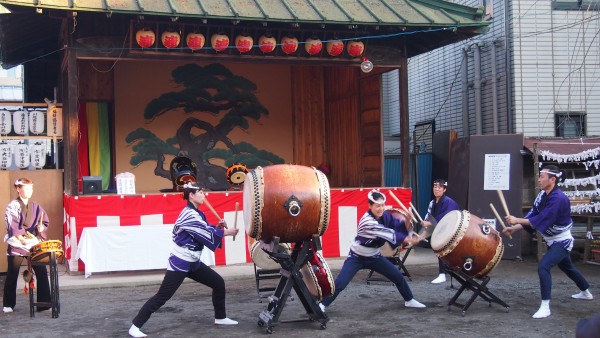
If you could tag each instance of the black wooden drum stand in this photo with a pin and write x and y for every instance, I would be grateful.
(291, 277)
(478, 287)
(50, 260)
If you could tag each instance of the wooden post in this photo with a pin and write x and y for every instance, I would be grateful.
(541, 248)
(404, 121)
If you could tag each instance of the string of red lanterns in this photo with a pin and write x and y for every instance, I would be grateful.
(146, 38)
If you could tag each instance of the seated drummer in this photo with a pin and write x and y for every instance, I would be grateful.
(375, 228)
(24, 218)
(439, 207)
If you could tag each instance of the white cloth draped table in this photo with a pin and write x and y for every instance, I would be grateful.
(128, 248)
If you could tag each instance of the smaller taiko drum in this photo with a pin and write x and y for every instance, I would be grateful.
(41, 252)
(262, 259)
(236, 174)
(463, 240)
(317, 277)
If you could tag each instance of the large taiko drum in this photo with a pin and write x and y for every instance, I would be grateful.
(465, 241)
(261, 258)
(291, 202)
(317, 277)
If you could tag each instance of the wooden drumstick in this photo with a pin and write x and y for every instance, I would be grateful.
(212, 210)
(403, 206)
(503, 201)
(499, 219)
(237, 204)
(416, 212)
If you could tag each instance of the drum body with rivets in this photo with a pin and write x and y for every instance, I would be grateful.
(291, 202)
(463, 240)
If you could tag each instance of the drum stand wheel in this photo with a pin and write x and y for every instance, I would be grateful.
(291, 277)
(478, 287)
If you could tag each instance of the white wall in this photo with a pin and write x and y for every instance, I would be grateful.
(556, 66)
(435, 81)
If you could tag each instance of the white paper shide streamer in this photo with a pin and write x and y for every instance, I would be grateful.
(21, 122)
(37, 122)
(38, 155)
(563, 158)
(5, 156)
(5, 122)
(22, 155)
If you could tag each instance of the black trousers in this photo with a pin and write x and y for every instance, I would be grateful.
(171, 282)
(12, 275)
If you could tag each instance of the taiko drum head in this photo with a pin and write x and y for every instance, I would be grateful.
(446, 229)
(262, 259)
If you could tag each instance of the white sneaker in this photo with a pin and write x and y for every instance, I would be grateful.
(585, 295)
(414, 303)
(134, 331)
(225, 321)
(440, 279)
(543, 312)
(7, 309)
(323, 307)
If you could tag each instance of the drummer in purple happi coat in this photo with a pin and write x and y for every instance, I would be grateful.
(375, 228)
(191, 235)
(438, 208)
(24, 218)
(551, 217)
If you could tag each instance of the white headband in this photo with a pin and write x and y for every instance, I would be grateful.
(373, 199)
(553, 173)
(19, 182)
(189, 185)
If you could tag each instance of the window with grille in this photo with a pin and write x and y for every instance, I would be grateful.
(569, 124)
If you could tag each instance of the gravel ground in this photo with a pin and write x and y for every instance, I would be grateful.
(363, 310)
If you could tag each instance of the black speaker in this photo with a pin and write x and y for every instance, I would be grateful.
(92, 185)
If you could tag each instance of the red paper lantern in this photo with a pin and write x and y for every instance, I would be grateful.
(244, 43)
(266, 43)
(313, 46)
(195, 40)
(335, 47)
(219, 42)
(289, 44)
(170, 39)
(355, 48)
(145, 37)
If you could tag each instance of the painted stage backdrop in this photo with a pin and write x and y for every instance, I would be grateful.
(215, 114)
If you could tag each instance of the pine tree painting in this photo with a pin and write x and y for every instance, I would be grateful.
(214, 90)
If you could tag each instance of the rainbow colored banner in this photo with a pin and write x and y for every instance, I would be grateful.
(94, 145)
